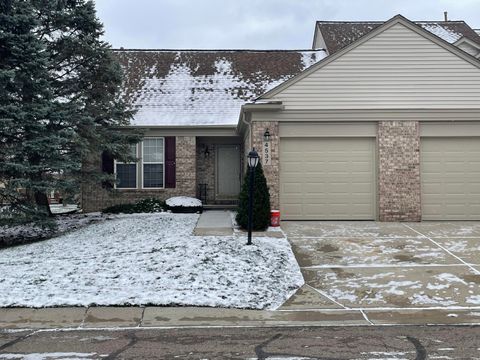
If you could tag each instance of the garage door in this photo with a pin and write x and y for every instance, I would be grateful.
(327, 178)
(450, 178)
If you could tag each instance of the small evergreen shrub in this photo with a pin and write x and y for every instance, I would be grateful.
(261, 201)
(149, 205)
(120, 209)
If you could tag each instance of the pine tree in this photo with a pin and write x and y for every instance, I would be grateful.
(261, 201)
(59, 103)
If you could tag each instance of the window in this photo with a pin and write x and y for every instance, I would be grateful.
(153, 163)
(126, 173)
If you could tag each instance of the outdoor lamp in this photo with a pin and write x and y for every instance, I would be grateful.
(206, 152)
(266, 135)
(253, 159)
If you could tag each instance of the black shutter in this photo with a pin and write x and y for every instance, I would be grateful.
(170, 162)
(107, 168)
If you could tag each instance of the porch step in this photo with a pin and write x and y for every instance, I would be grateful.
(214, 222)
(220, 207)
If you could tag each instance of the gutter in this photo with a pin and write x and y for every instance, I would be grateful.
(257, 106)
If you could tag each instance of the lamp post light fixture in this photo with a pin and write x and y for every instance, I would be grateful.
(266, 135)
(253, 159)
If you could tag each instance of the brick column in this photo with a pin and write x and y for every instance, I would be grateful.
(399, 171)
(186, 166)
(272, 172)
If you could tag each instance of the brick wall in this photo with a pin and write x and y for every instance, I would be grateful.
(95, 198)
(272, 172)
(399, 171)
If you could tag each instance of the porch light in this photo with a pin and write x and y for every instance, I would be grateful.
(253, 159)
(206, 152)
(266, 135)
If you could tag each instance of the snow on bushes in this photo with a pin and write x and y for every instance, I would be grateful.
(149, 205)
(184, 204)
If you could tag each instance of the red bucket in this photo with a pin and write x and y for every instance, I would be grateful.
(275, 218)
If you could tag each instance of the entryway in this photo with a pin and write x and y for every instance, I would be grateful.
(227, 172)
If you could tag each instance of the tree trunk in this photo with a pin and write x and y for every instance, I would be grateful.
(42, 202)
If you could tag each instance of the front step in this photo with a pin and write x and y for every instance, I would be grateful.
(220, 207)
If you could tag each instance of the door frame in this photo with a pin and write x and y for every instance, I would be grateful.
(217, 173)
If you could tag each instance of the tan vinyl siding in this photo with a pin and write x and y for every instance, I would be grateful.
(367, 115)
(397, 69)
(304, 129)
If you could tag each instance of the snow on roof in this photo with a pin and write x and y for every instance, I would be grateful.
(338, 34)
(446, 33)
(202, 87)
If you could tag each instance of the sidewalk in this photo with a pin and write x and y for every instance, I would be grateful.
(173, 317)
(214, 223)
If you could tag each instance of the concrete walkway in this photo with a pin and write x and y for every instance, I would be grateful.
(173, 317)
(214, 222)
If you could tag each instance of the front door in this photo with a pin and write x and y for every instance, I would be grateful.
(228, 171)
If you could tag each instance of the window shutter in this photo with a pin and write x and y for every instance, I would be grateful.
(170, 160)
(107, 167)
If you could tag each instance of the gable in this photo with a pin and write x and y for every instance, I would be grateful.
(335, 35)
(397, 68)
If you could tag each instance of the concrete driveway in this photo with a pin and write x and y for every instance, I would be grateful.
(419, 272)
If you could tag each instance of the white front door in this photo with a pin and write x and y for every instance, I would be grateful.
(228, 171)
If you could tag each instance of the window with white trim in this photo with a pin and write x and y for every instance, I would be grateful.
(126, 173)
(153, 163)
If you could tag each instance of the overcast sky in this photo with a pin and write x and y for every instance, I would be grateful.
(254, 24)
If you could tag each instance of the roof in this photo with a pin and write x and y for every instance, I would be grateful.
(203, 87)
(338, 34)
(397, 19)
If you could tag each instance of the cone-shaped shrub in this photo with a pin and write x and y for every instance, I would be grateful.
(261, 201)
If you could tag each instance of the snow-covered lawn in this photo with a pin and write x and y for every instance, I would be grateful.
(20, 234)
(149, 259)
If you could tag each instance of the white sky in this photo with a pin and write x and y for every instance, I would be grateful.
(254, 24)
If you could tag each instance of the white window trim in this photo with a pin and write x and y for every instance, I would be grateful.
(115, 162)
(143, 163)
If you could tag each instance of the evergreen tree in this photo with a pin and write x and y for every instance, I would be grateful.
(59, 103)
(261, 201)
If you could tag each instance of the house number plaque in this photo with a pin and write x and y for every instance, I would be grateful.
(267, 156)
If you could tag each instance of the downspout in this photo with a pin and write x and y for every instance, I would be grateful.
(249, 126)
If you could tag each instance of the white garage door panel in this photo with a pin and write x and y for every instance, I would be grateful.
(322, 178)
(450, 178)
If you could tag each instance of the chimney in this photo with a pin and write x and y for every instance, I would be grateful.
(445, 15)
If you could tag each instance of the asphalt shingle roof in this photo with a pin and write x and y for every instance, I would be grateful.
(203, 87)
(338, 34)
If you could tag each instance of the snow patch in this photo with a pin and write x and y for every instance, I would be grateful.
(442, 32)
(184, 201)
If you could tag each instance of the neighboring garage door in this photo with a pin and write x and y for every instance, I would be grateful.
(450, 178)
(327, 178)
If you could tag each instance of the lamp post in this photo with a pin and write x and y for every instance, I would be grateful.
(252, 164)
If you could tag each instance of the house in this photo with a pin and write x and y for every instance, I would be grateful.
(380, 120)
